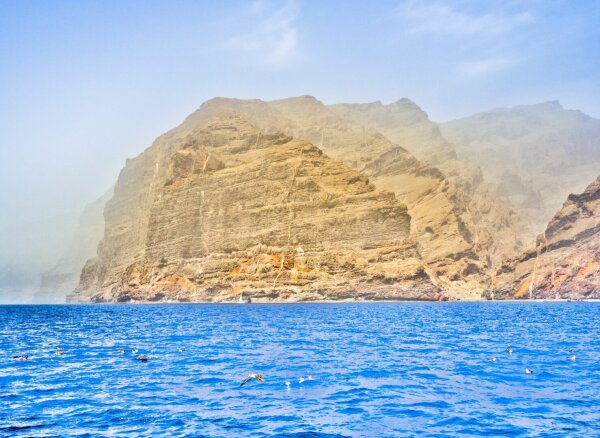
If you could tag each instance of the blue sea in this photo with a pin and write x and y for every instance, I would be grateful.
(380, 369)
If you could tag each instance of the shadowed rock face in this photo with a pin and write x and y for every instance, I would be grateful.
(454, 234)
(532, 155)
(217, 207)
(566, 260)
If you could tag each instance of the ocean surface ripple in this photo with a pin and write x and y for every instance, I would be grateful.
(381, 369)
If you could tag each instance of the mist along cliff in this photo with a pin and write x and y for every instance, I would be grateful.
(533, 155)
(29, 249)
(216, 208)
(457, 233)
(565, 262)
(59, 281)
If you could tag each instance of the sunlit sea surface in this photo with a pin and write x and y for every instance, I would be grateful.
(381, 369)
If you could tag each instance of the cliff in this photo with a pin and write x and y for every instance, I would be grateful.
(532, 155)
(488, 219)
(566, 260)
(404, 123)
(63, 277)
(454, 234)
(292, 200)
(27, 251)
(218, 207)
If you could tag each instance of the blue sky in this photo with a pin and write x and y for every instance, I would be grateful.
(86, 84)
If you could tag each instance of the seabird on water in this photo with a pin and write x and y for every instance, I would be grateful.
(528, 371)
(250, 377)
(142, 357)
(21, 357)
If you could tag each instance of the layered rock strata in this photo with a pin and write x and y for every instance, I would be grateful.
(217, 209)
(453, 233)
(565, 263)
(496, 229)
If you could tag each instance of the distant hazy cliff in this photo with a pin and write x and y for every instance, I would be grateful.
(494, 230)
(566, 260)
(532, 155)
(63, 278)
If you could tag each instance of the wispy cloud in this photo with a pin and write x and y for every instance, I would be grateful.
(274, 36)
(484, 67)
(482, 37)
(439, 18)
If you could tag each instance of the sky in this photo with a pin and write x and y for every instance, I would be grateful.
(86, 84)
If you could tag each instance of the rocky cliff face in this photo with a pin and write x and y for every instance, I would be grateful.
(566, 260)
(532, 155)
(495, 228)
(240, 198)
(404, 123)
(63, 278)
(218, 207)
(454, 234)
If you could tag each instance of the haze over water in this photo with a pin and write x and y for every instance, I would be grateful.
(378, 369)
